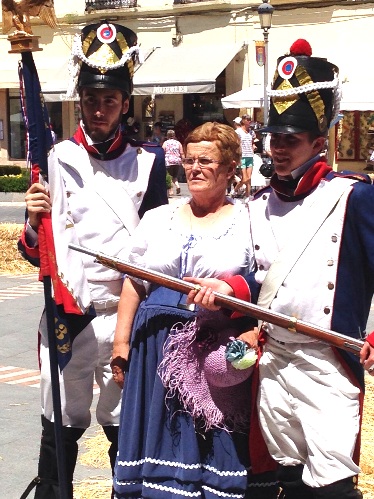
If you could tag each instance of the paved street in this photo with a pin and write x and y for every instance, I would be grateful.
(12, 212)
(21, 304)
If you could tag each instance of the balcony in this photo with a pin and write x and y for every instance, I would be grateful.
(180, 2)
(109, 4)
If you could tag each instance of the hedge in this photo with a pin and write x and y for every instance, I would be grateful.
(16, 179)
(10, 170)
(15, 182)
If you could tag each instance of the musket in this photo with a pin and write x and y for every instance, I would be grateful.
(291, 323)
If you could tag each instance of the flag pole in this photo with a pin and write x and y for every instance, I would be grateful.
(39, 141)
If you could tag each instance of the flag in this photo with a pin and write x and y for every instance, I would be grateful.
(260, 53)
(71, 314)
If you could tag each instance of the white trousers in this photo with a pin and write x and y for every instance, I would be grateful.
(91, 353)
(309, 411)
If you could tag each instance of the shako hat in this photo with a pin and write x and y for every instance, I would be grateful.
(103, 55)
(305, 93)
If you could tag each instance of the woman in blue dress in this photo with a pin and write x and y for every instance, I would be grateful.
(165, 450)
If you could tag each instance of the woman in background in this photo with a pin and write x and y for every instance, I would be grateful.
(173, 158)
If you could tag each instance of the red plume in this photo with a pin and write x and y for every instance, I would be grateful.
(301, 47)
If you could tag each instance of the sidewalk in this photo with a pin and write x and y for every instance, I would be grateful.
(12, 199)
(18, 198)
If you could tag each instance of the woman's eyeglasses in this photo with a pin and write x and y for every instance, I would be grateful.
(202, 162)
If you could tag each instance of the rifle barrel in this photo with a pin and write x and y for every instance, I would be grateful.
(291, 323)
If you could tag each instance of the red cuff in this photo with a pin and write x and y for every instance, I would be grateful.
(370, 339)
(241, 291)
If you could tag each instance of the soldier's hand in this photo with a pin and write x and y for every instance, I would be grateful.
(37, 202)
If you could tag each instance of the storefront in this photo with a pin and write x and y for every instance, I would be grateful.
(182, 87)
(356, 129)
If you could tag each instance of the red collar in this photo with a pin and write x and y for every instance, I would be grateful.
(299, 188)
(115, 145)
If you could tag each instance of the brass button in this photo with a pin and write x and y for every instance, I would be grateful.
(257, 247)
(334, 239)
(264, 197)
(330, 263)
(261, 267)
(139, 194)
(326, 310)
(330, 285)
(139, 150)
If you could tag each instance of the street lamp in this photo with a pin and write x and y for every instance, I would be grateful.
(265, 12)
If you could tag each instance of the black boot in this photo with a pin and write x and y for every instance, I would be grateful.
(47, 480)
(343, 489)
(292, 486)
(111, 433)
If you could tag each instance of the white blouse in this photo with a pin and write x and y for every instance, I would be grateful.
(161, 243)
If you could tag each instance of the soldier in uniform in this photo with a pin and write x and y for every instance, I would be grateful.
(100, 185)
(313, 234)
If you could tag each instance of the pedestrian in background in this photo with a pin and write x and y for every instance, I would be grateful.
(235, 179)
(173, 159)
(237, 122)
(99, 187)
(157, 135)
(247, 136)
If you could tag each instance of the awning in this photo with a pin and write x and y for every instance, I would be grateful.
(184, 69)
(53, 77)
(357, 96)
(247, 98)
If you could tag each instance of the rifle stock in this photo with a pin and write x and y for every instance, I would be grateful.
(291, 323)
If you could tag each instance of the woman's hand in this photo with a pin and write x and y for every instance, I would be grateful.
(131, 295)
(205, 295)
(37, 202)
(119, 365)
(250, 338)
(367, 357)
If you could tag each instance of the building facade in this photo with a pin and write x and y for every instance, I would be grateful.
(197, 52)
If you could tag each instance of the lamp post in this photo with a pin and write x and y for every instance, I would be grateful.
(265, 12)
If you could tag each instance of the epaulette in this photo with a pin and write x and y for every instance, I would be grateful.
(360, 177)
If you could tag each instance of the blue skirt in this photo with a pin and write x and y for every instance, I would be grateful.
(160, 455)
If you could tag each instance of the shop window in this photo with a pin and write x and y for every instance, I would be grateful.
(17, 131)
(17, 137)
(200, 108)
(55, 117)
(355, 141)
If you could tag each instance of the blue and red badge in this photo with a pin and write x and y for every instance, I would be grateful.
(106, 33)
(286, 67)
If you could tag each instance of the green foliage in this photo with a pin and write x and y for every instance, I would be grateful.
(169, 180)
(10, 170)
(15, 183)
